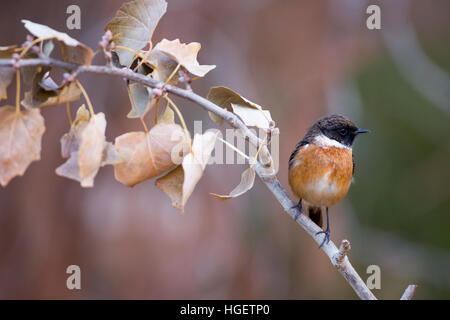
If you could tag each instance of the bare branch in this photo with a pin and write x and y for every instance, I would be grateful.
(345, 268)
(409, 292)
(264, 170)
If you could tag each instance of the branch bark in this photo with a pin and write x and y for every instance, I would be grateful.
(409, 292)
(338, 257)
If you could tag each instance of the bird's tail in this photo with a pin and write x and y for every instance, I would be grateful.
(315, 214)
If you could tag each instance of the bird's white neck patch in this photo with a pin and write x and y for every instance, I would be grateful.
(324, 141)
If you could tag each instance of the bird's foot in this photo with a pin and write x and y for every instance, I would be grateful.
(299, 208)
(326, 237)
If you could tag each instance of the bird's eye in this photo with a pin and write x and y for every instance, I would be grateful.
(343, 132)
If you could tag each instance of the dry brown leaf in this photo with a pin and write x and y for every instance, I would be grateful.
(148, 155)
(6, 52)
(43, 87)
(172, 185)
(185, 55)
(247, 180)
(168, 116)
(142, 98)
(133, 26)
(86, 147)
(253, 117)
(73, 51)
(29, 73)
(180, 183)
(68, 93)
(20, 141)
(6, 74)
(251, 113)
(163, 66)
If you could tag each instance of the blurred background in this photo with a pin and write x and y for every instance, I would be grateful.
(302, 60)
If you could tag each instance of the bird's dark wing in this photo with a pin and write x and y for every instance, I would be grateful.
(297, 148)
(353, 160)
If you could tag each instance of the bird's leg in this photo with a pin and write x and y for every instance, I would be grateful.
(326, 232)
(299, 208)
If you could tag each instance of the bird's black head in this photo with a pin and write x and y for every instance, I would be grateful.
(338, 128)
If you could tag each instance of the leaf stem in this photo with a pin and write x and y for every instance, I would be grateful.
(132, 51)
(86, 97)
(25, 50)
(257, 152)
(145, 56)
(68, 113)
(234, 148)
(173, 73)
(180, 116)
(156, 110)
(18, 91)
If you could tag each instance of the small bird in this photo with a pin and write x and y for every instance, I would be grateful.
(321, 167)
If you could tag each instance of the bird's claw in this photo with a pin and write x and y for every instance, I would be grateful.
(326, 237)
(299, 208)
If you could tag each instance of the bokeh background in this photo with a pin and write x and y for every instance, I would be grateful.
(303, 60)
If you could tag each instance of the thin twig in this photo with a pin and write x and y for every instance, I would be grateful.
(86, 97)
(68, 113)
(17, 91)
(409, 292)
(343, 251)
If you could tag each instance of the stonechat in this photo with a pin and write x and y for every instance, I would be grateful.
(321, 167)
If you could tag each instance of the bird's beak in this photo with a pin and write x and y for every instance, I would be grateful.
(361, 131)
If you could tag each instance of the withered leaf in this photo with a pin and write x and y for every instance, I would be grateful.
(46, 93)
(86, 148)
(164, 66)
(142, 98)
(28, 73)
(20, 141)
(185, 55)
(133, 26)
(47, 47)
(146, 67)
(6, 52)
(148, 155)
(180, 183)
(251, 113)
(253, 117)
(168, 116)
(247, 180)
(43, 87)
(6, 73)
(73, 51)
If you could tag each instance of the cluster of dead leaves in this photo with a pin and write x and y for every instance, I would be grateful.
(136, 156)
(21, 131)
(45, 92)
(132, 28)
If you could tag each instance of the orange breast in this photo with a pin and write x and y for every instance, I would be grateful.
(321, 176)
